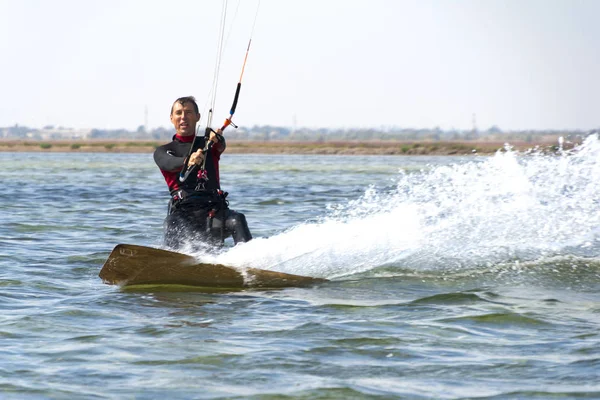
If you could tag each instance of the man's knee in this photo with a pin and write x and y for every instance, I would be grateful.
(237, 225)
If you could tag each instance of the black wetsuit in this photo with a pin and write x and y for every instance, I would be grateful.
(198, 210)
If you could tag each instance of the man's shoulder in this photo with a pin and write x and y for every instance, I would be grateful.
(171, 145)
(163, 148)
(172, 148)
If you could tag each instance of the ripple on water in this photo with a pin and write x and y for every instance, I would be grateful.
(465, 313)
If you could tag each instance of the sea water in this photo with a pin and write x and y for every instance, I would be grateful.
(450, 278)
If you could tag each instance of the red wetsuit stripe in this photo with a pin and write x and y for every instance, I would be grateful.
(185, 139)
(172, 177)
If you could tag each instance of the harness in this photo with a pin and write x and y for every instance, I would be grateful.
(215, 200)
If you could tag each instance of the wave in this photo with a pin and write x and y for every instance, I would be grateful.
(484, 213)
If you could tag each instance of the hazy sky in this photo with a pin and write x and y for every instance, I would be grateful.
(517, 64)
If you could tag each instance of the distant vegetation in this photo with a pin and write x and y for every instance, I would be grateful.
(263, 133)
(273, 139)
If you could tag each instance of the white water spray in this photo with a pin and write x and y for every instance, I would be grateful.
(489, 211)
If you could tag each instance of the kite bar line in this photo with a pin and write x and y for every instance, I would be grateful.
(236, 97)
(185, 173)
(217, 63)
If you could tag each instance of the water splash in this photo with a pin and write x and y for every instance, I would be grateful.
(488, 211)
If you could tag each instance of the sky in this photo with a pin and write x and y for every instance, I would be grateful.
(111, 64)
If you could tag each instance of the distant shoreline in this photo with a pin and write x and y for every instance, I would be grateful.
(371, 147)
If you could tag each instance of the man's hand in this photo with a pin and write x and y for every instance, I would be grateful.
(196, 158)
(213, 136)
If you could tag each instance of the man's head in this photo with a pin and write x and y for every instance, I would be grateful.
(185, 115)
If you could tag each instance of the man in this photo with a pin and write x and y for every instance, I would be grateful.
(198, 211)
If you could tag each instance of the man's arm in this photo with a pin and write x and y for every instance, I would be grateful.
(219, 145)
(166, 159)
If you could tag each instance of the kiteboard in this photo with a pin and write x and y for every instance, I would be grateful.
(133, 265)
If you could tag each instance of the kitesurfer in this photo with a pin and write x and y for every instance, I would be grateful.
(198, 209)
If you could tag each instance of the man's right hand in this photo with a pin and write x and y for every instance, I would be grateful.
(196, 158)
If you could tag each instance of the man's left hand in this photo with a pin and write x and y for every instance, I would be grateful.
(213, 136)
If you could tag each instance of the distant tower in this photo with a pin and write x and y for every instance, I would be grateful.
(146, 118)
(294, 124)
(473, 134)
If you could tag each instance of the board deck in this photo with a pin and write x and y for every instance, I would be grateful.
(129, 265)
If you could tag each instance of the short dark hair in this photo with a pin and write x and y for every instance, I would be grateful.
(186, 99)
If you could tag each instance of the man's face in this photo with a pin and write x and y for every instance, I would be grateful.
(184, 118)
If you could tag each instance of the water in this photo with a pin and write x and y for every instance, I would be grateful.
(450, 278)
